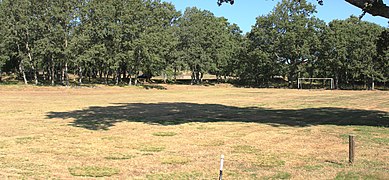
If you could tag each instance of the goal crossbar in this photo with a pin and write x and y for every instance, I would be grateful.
(299, 81)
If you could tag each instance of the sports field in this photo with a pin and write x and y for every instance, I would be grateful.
(179, 132)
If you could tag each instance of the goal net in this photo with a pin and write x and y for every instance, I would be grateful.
(315, 83)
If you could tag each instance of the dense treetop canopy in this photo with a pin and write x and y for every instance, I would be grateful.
(116, 41)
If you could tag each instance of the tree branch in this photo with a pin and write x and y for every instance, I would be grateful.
(373, 7)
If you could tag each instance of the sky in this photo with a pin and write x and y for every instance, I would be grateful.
(244, 12)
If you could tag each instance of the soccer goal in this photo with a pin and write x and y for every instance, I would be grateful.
(315, 83)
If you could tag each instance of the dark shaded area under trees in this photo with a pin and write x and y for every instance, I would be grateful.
(102, 118)
(115, 42)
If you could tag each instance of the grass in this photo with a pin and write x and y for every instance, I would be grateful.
(176, 175)
(359, 175)
(180, 131)
(175, 160)
(119, 156)
(152, 148)
(93, 171)
(245, 149)
(278, 175)
(164, 134)
(269, 161)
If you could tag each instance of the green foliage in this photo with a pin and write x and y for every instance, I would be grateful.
(349, 51)
(283, 43)
(207, 43)
(116, 41)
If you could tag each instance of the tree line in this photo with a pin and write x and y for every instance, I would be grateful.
(113, 42)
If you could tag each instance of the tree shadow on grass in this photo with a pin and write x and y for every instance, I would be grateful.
(102, 118)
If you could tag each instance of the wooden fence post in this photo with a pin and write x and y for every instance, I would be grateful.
(351, 146)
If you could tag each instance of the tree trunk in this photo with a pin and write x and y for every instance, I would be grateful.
(117, 79)
(165, 77)
(48, 73)
(35, 74)
(192, 77)
(62, 75)
(66, 74)
(52, 72)
(130, 80)
(106, 77)
(89, 75)
(31, 63)
(201, 77)
(175, 74)
(124, 73)
(80, 75)
(21, 67)
(337, 82)
(44, 74)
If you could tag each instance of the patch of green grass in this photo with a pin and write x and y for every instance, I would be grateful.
(232, 174)
(279, 175)
(245, 149)
(249, 167)
(164, 134)
(152, 148)
(336, 164)
(203, 127)
(373, 164)
(93, 171)
(236, 135)
(3, 144)
(312, 167)
(112, 138)
(383, 141)
(119, 157)
(175, 160)
(24, 168)
(25, 140)
(269, 161)
(212, 143)
(360, 175)
(176, 175)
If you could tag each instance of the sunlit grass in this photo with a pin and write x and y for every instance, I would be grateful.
(179, 132)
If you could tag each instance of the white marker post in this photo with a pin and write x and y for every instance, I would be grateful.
(221, 167)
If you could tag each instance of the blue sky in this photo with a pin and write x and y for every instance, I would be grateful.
(244, 12)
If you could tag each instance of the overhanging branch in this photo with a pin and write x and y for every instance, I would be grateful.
(373, 7)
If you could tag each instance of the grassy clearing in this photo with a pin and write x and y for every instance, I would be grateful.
(179, 132)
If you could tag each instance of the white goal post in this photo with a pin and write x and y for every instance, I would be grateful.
(301, 80)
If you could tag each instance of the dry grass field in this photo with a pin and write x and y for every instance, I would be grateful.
(179, 132)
